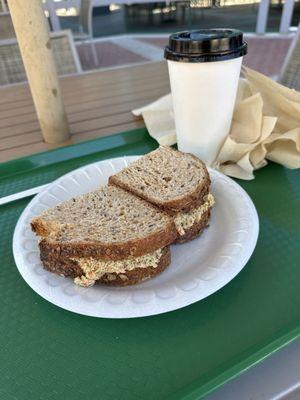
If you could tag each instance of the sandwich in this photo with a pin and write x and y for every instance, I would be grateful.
(175, 182)
(108, 236)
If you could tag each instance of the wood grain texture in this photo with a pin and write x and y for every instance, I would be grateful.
(32, 33)
(97, 104)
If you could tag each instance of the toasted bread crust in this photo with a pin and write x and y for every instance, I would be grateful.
(38, 227)
(111, 252)
(179, 204)
(195, 230)
(197, 202)
(70, 268)
(60, 266)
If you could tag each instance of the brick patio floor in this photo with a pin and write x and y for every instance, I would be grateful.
(265, 54)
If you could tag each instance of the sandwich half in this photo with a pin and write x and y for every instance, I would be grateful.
(108, 236)
(177, 183)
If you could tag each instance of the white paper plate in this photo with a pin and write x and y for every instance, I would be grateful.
(199, 268)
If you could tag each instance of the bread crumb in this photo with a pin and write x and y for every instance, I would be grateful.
(84, 281)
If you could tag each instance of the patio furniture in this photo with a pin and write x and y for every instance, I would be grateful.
(11, 64)
(85, 27)
(85, 20)
(3, 6)
(290, 73)
(7, 30)
(84, 8)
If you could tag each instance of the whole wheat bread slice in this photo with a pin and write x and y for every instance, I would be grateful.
(167, 178)
(108, 224)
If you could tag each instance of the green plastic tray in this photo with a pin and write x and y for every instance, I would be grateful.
(49, 353)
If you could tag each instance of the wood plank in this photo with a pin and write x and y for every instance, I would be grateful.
(103, 122)
(95, 87)
(10, 118)
(77, 128)
(15, 127)
(26, 150)
(24, 127)
(126, 87)
(19, 141)
(75, 83)
(138, 123)
(97, 104)
(17, 120)
(6, 155)
(93, 107)
(87, 76)
(153, 93)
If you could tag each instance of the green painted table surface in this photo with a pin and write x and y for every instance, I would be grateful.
(49, 353)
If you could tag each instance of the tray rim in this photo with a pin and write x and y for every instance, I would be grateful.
(238, 369)
(195, 390)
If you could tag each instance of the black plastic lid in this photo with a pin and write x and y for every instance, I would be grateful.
(206, 45)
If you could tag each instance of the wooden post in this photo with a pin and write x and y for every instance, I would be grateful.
(262, 17)
(286, 16)
(32, 33)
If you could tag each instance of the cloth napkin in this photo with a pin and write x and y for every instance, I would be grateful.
(265, 126)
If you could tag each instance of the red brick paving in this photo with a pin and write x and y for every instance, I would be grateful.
(109, 55)
(265, 55)
(159, 42)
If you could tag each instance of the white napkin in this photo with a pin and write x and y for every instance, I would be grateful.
(265, 126)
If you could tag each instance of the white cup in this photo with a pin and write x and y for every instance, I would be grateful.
(204, 92)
